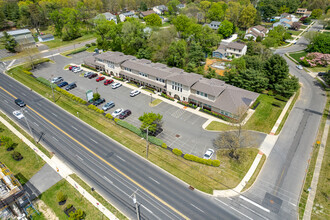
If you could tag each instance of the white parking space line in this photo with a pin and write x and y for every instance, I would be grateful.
(254, 203)
(234, 209)
(154, 180)
(107, 179)
(93, 140)
(120, 158)
(74, 128)
(55, 139)
(196, 207)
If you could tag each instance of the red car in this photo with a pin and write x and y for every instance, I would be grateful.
(70, 67)
(108, 81)
(100, 78)
(125, 113)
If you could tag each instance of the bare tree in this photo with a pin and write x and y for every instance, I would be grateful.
(30, 53)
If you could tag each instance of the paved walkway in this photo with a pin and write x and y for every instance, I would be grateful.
(316, 174)
(63, 170)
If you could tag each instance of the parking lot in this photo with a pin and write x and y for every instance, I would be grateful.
(181, 129)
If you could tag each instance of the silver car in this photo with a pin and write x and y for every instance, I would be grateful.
(116, 85)
(208, 154)
(117, 112)
(57, 80)
(108, 106)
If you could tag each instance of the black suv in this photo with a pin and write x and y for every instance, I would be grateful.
(20, 102)
(98, 102)
(70, 86)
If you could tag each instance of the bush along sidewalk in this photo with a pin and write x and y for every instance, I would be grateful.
(167, 97)
(66, 93)
(215, 114)
(89, 67)
(187, 104)
(118, 78)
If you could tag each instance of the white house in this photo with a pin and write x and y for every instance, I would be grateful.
(108, 16)
(125, 15)
(160, 9)
(286, 20)
(256, 31)
(225, 49)
(213, 25)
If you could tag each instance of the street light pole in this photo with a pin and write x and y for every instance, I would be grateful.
(136, 207)
(150, 98)
(26, 121)
(52, 86)
(147, 146)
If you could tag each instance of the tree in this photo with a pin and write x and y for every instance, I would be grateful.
(153, 20)
(9, 42)
(320, 43)
(316, 13)
(296, 25)
(177, 54)
(132, 36)
(143, 6)
(276, 70)
(196, 54)
(182, 23)
(102, 27)
(216, 12)
(287, 87)
(267, 11)
(226, 29)
(233, 12)
(205, 5)
(171, 5)
(247, 16)
(152, 121)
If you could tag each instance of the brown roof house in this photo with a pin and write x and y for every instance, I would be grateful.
(303, 12)
(256, 31)
(146, 13)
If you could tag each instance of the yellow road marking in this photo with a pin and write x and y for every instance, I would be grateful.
(106, 162)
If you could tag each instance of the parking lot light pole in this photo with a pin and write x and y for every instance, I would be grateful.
(150, 98)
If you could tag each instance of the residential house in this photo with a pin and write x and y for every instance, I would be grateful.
(256, 31)
(213, 25)
(180, 6)
(146, 13)
(230, 49)
(303, 12)
(125, 15)
(164, 19)
(160, 9)
(23, 37)
(286, 20)
(108, 16)
(211, 94)
(45, 37)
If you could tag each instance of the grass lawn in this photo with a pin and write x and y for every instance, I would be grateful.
(319, 69)
(202, 177)
(59, 43)
(73, 197)
(296, 56)
(155, 102)
(19, 55)
(133, 84)
(303, 26)
(148, 90)
(91, 49)
(98, 197)
(263, 119)
(25, 168)
(296, 33)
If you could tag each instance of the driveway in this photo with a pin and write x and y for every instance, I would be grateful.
(181, 129)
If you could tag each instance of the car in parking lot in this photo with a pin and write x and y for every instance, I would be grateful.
(72, 67)
(117, 112)
(208, 154)
(99, 101)
(87, 74)
(116, 85)
(299, 67)
(20, 102)
(57, 80)
(77, 70)
(62, 84)
(18, 114)
(125, 113)
(92, 76)
(108, 81)
(70, 86)
(134, 93)
(108, 105)
(100, 78)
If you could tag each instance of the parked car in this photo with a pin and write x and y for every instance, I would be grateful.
(117, 112)
(125, 113)
(98, 102)
(57, 80)
(87, 74)
(62, 84)
(108, 81)
(116, 85)
(100, 78)
(108, 105)
(18, 114)
(92, 76)
(299, 67)
(321, 74)
(77, 70)
(70, 67)
(20, 102)
(208, 154)
(134, 93)
(70, 86)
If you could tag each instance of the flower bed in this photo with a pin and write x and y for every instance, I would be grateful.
(187, 104)
(167, 96)
(118, 78)
(315, 59)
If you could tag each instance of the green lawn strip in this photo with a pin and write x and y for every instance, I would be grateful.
(57, 42)
(202, 177)
(263, 119)
(296, 33)
(319, 69)
(39, 146)
(25, 168)
(91, 49)
(155, 102)
(296, 55)
(133, 84)
(73, 197)
(323, 180)
(17, 55)
(303, 27)
(97, 196)
(148, 90)
(35, 216)
(255, 174)
(70, 52)
(287, 112)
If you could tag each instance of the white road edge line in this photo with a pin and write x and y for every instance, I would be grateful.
(5, 101)
(146, 208)
(254, 212)
(107, 179)
(55, 139)
(79, 157)
(93, 140)
(11, 63)
(254, 203)
(197, 208)
(154, 180)
(74, 128)
(120, 158)
(234, 209)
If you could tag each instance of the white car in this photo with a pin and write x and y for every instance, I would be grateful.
(208, 154)
(77, 70)
(18, 114)
(116, 85)
(134, 93)
(57, 80)
(117, 112)
(299, 67)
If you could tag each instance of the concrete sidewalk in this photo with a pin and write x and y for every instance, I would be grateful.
(60, 168)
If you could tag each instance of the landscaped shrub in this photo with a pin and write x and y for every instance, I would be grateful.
(177, 151)
(225, 118)
(187, 104)
(68, 206)
(61, 197)
(9, 145)
(118, 78)
(93, 107)
(89, 67)
(277, 104)
(87, 45)
(215, 163)
(167, 97)
(66, 93)
(164, 145)
(281, 98)
(315, 59)
(109, 116)
(46, 82)
(128, 126)
(155, 141)
(28, 66)
(27, 72)
(77, 215)
(96, 96)
(75, 51)
(116, 119)
(209, 162)
(93, 44)
(17, 156)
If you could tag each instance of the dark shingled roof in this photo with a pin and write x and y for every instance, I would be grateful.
(213, 87)
(187, 79)
(115, 57)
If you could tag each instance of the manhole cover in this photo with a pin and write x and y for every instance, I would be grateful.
(177, 135)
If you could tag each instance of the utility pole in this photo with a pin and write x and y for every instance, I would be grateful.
(136, 206)
(52, 86)
(26, 121)
(147, 147)
(150, 98)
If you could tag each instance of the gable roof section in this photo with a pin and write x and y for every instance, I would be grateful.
(149, 12)
(115, 57)
(187, 79)
(212, 87)
(236, 45)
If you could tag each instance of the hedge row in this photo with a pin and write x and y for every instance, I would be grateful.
(167, 97)
(75, 98)
(89, 67)
(209, 162)
(187, 104)
(164, 146)
(35, 62)
(27, 72)
(46, 82)
(177, 151)
(118, 78)
(215, 114)
(128, 126)
(109, 116)
(75, 51)
(93, 107)
(155, 141)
